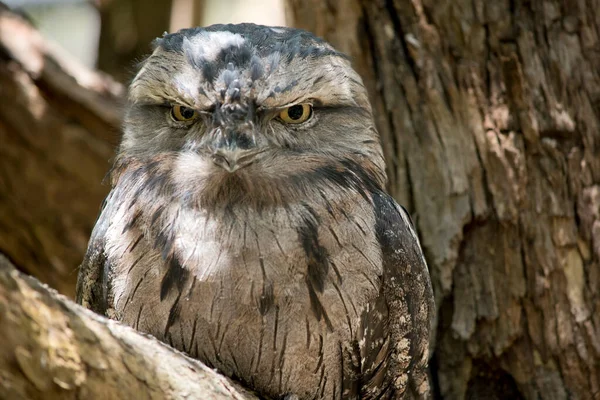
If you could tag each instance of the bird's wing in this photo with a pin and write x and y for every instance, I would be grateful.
(93, 274)
(394, 350)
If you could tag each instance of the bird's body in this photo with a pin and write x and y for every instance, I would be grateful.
(264, 246)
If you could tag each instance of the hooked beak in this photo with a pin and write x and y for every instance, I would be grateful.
(232, 160)
(232, 147)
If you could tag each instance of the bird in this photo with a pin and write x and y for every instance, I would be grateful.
(248, 223)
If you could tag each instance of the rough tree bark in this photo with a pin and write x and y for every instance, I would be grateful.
(489, 116)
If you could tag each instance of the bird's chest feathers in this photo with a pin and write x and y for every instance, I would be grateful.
(282, 257)
(299, 266)
(236, 247)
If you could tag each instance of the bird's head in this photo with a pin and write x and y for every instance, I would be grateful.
(248, 105)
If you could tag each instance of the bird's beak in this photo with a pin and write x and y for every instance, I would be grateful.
(233, 159)
(232, 147)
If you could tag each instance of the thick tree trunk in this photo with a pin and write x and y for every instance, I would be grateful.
(55, 349)
(489, 115)
(59, 124)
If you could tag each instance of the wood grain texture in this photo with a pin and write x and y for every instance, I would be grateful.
(489, 115)
(58, 127)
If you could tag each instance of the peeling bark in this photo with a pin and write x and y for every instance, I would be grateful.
(55, 349)
(489, 114)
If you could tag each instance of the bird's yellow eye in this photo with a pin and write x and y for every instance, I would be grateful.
(296, 114)
(183, 114)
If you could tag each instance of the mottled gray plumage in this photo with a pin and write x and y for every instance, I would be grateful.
(269, 250)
